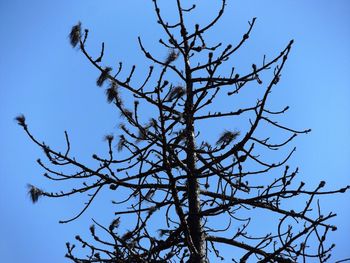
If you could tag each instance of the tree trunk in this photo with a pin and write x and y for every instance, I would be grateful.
(194, 219)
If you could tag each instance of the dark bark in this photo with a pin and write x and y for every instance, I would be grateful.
(194, 218)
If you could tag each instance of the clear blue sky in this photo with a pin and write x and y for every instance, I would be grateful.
(54, 86)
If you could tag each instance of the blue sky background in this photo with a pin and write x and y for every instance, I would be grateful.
(54, 86)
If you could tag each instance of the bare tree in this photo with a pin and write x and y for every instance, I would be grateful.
(177, 185)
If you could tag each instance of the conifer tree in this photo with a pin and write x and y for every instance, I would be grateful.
(177, 184)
